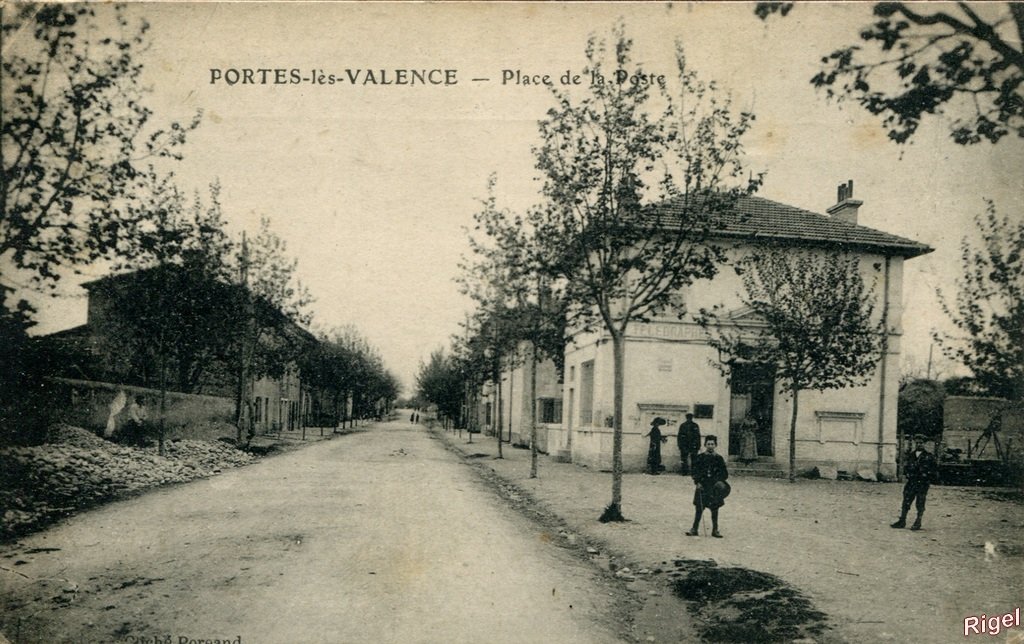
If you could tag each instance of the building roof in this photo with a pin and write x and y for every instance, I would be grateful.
(80, 331)
(760, 218)
(128, 276)
(289, 326)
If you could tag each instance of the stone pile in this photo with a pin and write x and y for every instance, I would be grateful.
(78, 469)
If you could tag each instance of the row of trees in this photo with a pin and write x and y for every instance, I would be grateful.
(634, 185)
(346, 369)
(87, 177)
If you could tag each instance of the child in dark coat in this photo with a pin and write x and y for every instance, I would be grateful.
(709, 475)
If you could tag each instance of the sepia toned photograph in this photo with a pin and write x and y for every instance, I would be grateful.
(347, 322)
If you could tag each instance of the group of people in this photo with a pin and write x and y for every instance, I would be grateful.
(710, 475)
(688, 440)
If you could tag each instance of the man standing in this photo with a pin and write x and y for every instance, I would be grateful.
(688, 439)
(920, 469)
(709, 474)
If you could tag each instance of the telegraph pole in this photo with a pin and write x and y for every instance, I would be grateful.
(241, 394)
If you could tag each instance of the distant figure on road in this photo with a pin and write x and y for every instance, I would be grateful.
(920, 469)
(709, 474)
(417, 418)
(654, 465)
(688, 440)
(412, 417)
(748, 440)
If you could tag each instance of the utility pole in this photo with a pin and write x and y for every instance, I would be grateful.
(241, 394)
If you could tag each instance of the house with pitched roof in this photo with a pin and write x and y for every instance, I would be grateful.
(671, 370)
(202, 363)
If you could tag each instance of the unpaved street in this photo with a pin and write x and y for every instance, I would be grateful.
(378, 536)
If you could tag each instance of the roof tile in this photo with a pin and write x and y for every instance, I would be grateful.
(760, 218)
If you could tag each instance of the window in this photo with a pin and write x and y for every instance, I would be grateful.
(587, 393)
(703, 411)
(487, 414)
(550, 410)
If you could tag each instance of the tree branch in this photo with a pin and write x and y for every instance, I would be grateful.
(980, 30)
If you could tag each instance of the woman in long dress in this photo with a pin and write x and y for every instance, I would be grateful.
(654, 465)
(748, 440)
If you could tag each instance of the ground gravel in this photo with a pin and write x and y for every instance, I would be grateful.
(830, 541)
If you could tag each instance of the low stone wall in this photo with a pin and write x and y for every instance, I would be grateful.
(522, 437)
(592, 446)
(87, 404)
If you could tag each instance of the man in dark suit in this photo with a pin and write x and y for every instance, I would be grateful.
(688, 439)
(920, 469)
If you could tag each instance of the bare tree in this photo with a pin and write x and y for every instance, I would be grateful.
(76, 135)
(606, 153)
(989, 307)
(816, 326)
(517, 266)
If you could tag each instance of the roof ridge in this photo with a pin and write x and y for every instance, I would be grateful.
(759, 217)
(832, 220)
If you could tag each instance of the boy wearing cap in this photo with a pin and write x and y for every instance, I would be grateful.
(920, 469)
(709, 475)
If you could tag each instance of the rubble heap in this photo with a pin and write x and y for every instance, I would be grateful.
(77, 469)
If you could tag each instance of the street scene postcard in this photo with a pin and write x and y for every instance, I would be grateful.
(349, 322)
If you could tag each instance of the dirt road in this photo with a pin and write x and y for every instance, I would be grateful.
(378, 536)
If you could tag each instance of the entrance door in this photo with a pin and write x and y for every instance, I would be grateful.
(753, 390)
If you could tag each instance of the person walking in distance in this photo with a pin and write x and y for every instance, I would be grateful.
(709, 475)
(688, 439)
(920, 469)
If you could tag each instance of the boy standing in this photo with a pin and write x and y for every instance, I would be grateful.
(920, 469)
(709, 474)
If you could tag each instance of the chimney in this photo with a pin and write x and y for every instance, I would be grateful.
(846, 206)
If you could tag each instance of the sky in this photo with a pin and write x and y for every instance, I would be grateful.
(372, 186)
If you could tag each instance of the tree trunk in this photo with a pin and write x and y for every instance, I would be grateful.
(163, 398)
(792, 438)
(472, 422)
(533, 411)
(614, 511)
(337, 409)
(511, 401)
(240, 396)
(498, 413)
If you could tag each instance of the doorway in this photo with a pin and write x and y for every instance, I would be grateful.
(753, 393)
